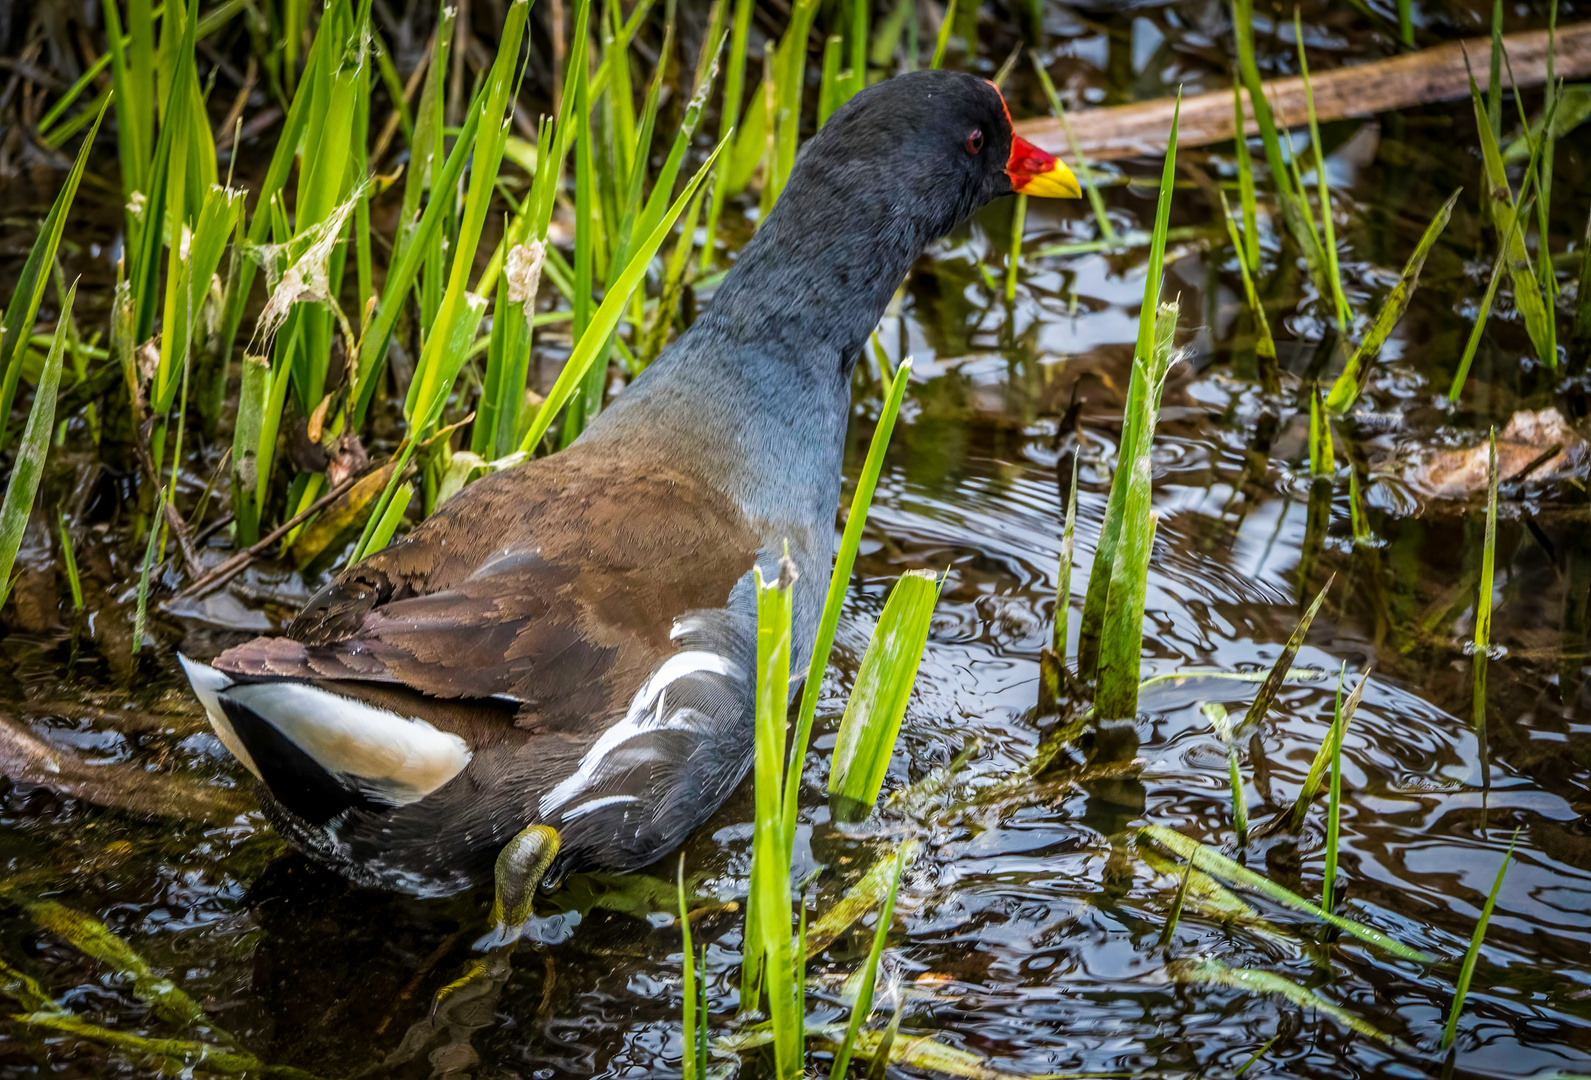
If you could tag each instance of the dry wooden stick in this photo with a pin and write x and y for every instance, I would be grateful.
(1435, 74)
(231, 568)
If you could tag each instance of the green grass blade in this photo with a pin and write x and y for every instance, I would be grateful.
(768, 946)
(134, 97)
(839, 582)
(946, 25)
(1472, 954)
(1582, 312)
(864, 998)
(1143, 395)
(389, 520)
(1176, 906)
(860, 10)
(1013, 264)
(734, 92)
(1295, 210)
(1323, 756)
(831, 85)
(1265, 345)
(1220, 867)
(23, 308)
(1256, 1055)
(688, 987)
(1483, 612)
(1492, 118)
(1500, 201)
(1322, 459)
(1221, 721)
(1245, 183)
(884, 681)
(1345, 391)
(68, 560)
(1482, 314)
(607, 316)
(402, 273)
(1327, 221)
(253, 396)
(1339, 724)
(1085, 175)
(1280, 670)
(1121, 632)
(1052, 661)
(28, 467)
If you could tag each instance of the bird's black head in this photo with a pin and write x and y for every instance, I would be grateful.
(896, 167)
(936, 144)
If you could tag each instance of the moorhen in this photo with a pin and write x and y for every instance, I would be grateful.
(555, 670)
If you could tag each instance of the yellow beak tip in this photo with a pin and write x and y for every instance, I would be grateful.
(1055, 183)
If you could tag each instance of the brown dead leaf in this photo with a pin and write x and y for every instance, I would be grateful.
(337, 523)
(1459, 474)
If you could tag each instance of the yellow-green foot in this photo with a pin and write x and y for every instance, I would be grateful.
(521, 866)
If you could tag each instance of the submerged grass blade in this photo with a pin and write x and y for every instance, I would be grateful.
(1472, 954)
(1322, 460)
(864, 998)
(95, 939)
(866, 738)
(27, 469)
(1483, 612)
(1219, 866)
(859, 899)
(1215, 973)
(1345, 391)
(1053, 661)
(1248, 264)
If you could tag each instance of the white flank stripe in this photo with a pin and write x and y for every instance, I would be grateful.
(646, 713)
(597, 804)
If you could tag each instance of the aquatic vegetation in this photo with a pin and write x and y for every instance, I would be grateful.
(23, 483)
(1472, 954)
(1111, 631)
(445, 209)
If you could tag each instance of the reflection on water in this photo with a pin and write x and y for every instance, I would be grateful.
(1028, 930)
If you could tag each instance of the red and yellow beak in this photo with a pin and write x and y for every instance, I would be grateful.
(1038, 172)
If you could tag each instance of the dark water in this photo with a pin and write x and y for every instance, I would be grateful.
(1028, 930)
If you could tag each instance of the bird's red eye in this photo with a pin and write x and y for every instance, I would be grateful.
(975, 141)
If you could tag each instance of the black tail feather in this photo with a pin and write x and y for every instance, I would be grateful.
(295, 779)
